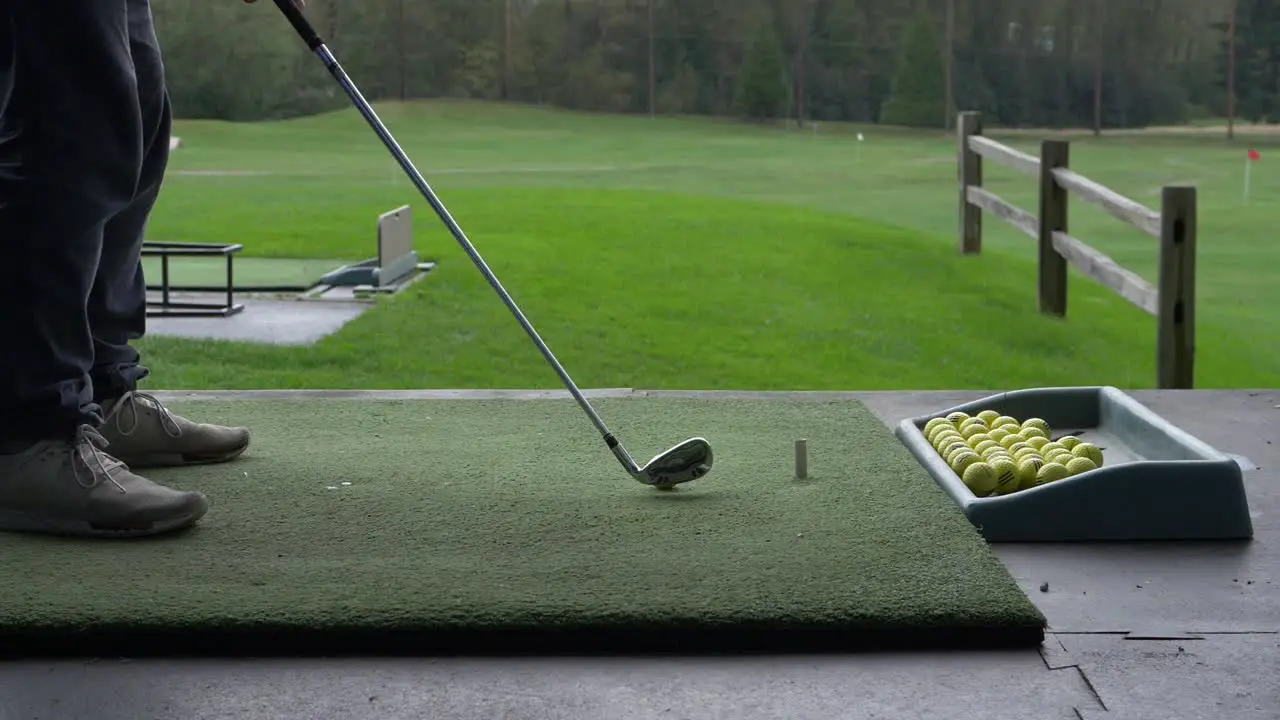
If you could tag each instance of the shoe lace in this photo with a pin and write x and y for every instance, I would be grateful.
(128, 406)
(89, 449)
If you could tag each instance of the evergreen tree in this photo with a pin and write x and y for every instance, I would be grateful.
(762, 84)
(919, 92)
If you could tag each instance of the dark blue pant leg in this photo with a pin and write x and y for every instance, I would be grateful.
(117, 303)
(71, 152)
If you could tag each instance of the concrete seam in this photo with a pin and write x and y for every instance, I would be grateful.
(1092, 690)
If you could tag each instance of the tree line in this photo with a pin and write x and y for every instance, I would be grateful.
(1042, 63)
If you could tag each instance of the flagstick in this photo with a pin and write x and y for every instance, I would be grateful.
(1248, 171)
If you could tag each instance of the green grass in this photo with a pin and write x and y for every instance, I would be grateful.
(708, 254)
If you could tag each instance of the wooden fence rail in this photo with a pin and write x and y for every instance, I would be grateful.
(1171, 302)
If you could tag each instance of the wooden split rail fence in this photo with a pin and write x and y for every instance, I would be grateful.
(1171, 302)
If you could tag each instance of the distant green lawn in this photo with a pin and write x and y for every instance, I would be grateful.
(705, 254)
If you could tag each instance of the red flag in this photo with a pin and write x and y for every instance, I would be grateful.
(1255, 155)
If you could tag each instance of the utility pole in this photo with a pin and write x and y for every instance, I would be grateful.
(950, 59)
(506, 50)
(1099, 34)
(332, 16)
(801, 69)
(403, 60)
(653, 89)
(1231, 72)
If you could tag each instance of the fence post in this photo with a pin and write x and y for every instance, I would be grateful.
(1053, 218)
(970, 124)
(1176, 332)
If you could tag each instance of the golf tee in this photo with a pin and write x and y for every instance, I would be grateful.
(802, 459)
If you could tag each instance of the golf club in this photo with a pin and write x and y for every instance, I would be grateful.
(687, 461)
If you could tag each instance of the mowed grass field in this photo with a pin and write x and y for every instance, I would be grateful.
(684, 253)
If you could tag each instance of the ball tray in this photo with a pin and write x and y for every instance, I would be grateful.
(1158, 482)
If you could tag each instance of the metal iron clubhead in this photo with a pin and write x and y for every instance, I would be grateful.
(687, 461)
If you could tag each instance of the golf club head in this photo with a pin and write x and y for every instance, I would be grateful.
(687, 461)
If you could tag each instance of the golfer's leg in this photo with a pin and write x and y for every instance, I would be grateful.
(138, 429)
(69, 159)
(72, 150)
(118, 302)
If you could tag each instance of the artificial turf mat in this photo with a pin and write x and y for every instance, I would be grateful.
(496, 526)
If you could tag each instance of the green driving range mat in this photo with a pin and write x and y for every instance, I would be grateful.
(496, 526)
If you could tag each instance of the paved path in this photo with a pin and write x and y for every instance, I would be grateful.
(1159, 632)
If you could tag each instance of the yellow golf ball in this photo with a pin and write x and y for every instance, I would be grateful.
(955, 450)
(957, 417)
(980, 478)
(1007, 478)
(1069, 441)
(1033, 432)
(1058, 456)
(939, 431)
(1038, 424)
(1030, 469)
(981, 437)
(1088, 450)
(1051, 445)
(944, 431)
(988, 416)
(946, 450)
(1051, 472)
(1077, 465)
(998, 455)
(1025, 453)
(962, 460)
(1027, 470)
(944, 425)
(1037, 441)
(983, 447)
(1006, 421)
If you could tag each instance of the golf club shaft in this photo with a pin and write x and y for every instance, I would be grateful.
(317, 45)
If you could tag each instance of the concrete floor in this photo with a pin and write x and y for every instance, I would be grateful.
(1176, 631)
(271, 321)
(302, 318)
